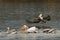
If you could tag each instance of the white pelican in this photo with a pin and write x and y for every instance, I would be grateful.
(7, 30)
(52, 31)
(46, 30)
(49, 30)
(32, 29)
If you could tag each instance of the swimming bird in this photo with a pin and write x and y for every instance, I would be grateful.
(32, 30)
(7, 30)
(49, 30)
(40, 18)
(23, 27)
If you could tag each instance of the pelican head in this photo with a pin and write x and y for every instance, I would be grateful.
(8, 28)
(40, 16)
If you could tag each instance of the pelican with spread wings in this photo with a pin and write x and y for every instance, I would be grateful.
(40, 18)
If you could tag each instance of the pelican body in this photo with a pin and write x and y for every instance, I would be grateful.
(32, 29)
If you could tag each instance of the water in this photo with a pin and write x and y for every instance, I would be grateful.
(29, 36)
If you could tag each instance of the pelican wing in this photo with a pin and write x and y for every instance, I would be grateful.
(33, 20)
(48, 18)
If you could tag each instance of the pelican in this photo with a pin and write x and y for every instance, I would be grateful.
(7, 30)
(32, 30)
(46, 30)
(49, 30)
(40, 18)
(24, 27)
(52, 31)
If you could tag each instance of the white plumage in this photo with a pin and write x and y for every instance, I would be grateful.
(40, 16)
(32, 29)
